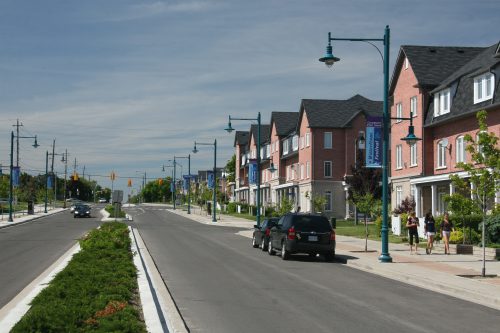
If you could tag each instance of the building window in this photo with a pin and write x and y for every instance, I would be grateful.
(441, 152)
(399, 112)
(399, 157)
(301, 171)
(399, 195)
(442, 102)
(483, 88)
(285, 147)
(295, 143)
(413, 106)
(328, 169)
(308, 167)
(413, 155)
(308, 139)
(301, 142)
(459, 149)
(328, 140)
(288, 172)
(328, 202)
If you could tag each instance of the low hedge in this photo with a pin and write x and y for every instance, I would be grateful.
(96, 292)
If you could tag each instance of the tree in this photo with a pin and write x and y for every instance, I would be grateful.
(483, 169)
(230, 169)
(319, 203)
(366, 204)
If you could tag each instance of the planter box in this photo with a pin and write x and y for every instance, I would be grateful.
(465, 249)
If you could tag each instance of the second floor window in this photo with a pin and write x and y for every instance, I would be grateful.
(308, 139)
(441, 154)
(460, 149)
(328, 140)
(308, 167)
(413, 106)
(328, 169)
(301, 171)
(285, 147)
(442, 102)
(483, 88)
(399, 157)
(295, 143)
(413, 155)
(399, 112)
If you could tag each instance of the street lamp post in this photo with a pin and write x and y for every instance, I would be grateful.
(11, 183)
(189, 182)
(195, 150)
(329, 60)
(65, 160)
(229, 129)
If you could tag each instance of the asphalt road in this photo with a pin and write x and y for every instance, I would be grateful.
(26, 250)
(221, 284)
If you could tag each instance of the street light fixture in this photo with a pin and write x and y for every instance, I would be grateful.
(195, 150)
(11, 184)
(189, 182)
(229, 129)
(329, 60)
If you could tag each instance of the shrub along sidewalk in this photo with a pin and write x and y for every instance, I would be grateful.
(96, 292)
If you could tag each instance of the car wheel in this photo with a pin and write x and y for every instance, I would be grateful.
(329, 257)
(270, 249)
(285, 255)
(263, 245)
(254, 242)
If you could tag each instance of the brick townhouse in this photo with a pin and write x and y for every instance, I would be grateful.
(312, 151)
(444, 87)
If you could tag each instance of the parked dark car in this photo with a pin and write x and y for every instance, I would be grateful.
(82, 211)
(302, 233)
(260, 236)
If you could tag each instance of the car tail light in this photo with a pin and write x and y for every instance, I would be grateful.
(291, 233)
(332, 236)
(268, 231)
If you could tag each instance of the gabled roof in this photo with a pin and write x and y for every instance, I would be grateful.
(264, 133)
(432, 64)
(285, 122)
(338, 113)
(461, 83)
(241, 138)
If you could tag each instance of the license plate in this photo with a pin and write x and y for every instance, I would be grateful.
(313, 238)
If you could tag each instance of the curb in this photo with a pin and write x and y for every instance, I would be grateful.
(35, 217)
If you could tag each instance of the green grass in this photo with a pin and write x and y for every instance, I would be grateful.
(111, 210)
(96, 292)
(347, 228)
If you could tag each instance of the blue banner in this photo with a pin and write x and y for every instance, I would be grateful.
(252, 172)
(210, 180)
(16, 171)
(374, 142)
(49, 182)
(186, 182)
(172, 187)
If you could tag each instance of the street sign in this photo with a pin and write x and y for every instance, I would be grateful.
(117, 196)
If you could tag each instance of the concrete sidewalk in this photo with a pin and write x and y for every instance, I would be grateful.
(22, 217)
(455, 275)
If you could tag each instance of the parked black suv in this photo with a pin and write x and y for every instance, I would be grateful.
(303, 233)
(260, 237)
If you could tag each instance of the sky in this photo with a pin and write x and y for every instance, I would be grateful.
(126, 85)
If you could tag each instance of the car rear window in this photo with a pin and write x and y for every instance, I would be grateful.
(311, 223)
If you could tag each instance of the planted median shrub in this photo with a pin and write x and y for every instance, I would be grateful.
(96, 292)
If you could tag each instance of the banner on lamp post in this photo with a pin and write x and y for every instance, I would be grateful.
(49, 182)
(210, 180)
(252, 171)
(187, 179)
(374, 142)
(16, 171)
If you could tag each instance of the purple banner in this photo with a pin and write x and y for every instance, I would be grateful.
(16, 171)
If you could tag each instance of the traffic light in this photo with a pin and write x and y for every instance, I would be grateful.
(75, 176)
(129, 184)
(113, 175)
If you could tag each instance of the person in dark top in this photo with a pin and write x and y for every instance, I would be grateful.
(412, 225)
(430, 231)
(446, 229)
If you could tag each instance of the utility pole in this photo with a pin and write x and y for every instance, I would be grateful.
(65, 176)
(17, 125)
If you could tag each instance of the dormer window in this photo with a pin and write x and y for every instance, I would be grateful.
(483, 88)
(442, 102)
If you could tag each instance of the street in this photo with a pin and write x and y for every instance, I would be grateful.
(26, 250)
(221, 284)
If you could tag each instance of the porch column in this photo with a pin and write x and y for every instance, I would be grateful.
(452, 188)
(472, 187)
(418, 208)
(433, 199)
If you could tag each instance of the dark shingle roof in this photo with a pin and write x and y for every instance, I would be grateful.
(461, 83)
(264, 132)
(241, 138)
(432, 64)
(338, 113)
(285, 122)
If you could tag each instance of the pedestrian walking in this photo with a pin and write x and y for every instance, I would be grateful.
(430, 231)
(446, 229)
(412, 225)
